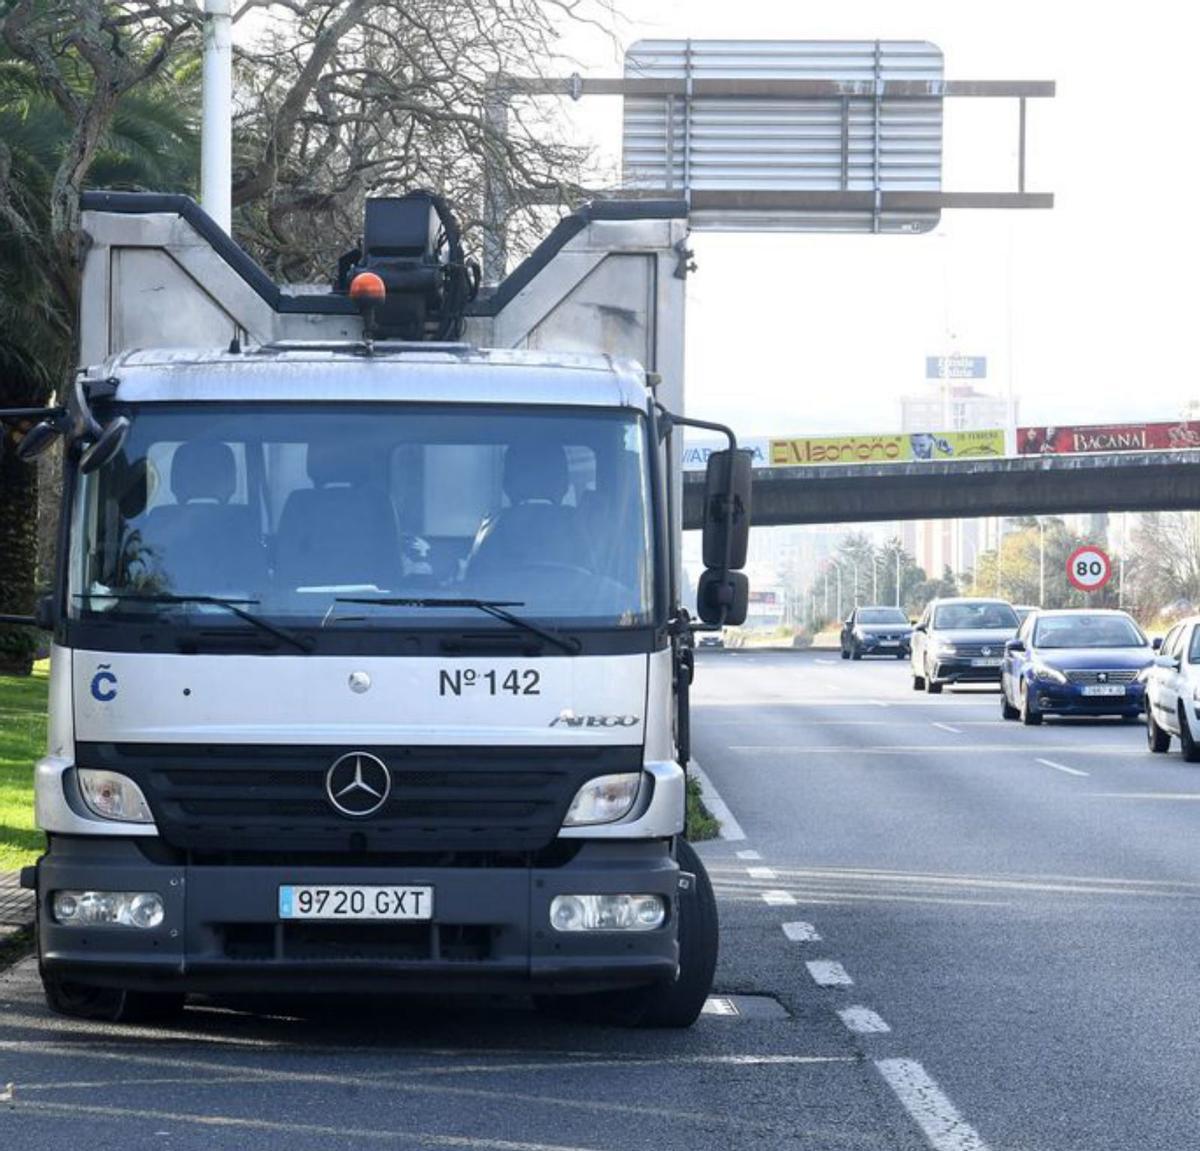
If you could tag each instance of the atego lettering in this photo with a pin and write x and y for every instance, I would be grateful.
(570, 720)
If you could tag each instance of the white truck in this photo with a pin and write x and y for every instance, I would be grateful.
(369, 671)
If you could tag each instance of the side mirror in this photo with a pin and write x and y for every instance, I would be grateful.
(36, 441)
(1014, 645)
(727, 510)
(110, 441)
(1156, 643)
(45, 613)
(723, 600)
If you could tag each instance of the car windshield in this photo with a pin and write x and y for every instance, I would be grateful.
(1086, 630)
(295, 508)
(882, 615)
(983, 616)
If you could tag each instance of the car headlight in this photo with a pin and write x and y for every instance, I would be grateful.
(944, 648)
(1046, 672)
(603, 799)
(111, 795)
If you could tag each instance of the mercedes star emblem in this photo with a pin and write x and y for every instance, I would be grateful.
(358, 784)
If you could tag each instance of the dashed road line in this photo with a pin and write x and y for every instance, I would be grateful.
(828, 973)
(929, 1107)
(748, 854)
(760, 872)
(800, 932)
(863, 1021)
(730, 828)
(778, 898)
(1145, 794)
(1062, 767)
(947, 727)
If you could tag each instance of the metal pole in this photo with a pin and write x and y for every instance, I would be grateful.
(495, 182)
(838, 568)
(216, 115)
(826, 593)
(1041, 562)
(999, 556)
(1124, 547)
(874, 579)
(898, 554)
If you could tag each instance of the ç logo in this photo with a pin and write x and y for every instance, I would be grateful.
(358, 784)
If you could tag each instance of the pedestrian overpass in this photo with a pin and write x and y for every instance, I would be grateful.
(965, 489)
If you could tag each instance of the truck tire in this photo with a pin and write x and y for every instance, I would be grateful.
(673, 1005)
(109, 1004)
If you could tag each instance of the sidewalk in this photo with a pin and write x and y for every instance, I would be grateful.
(16, 905)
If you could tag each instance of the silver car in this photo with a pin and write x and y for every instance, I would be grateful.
(961, 641)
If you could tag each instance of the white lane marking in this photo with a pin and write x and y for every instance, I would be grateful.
(719, 1005)
(800, 932)
(778, 898)
(932, 1111)
(947, 727)
(783, 751)
(1061, 767)
(880, 703)
(760, 872)
(863, 1020)
(1145, 794)
(826, 661)
(730, 828)
(748, 854)
(828, 973)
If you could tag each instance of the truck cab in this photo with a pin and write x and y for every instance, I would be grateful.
(369, 675)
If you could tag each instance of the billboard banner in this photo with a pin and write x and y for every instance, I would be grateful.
(1074, 439)
(909, 447)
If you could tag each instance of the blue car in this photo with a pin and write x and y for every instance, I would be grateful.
(1075, 663)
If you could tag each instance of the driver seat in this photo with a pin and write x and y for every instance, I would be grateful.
(536, 528)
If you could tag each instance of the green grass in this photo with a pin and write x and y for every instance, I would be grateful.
(700, 822)
(22, 741)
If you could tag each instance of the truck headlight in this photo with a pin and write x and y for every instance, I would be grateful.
(108, 908)
(111, 795)
(603, 799)
(607, 912)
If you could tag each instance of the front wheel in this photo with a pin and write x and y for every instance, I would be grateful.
(1187, 743)
(1157, 740)
(674, 1005)
(1007, 711)
(855, 654)
(1030, 716)
(109, 1004)
(845, 654)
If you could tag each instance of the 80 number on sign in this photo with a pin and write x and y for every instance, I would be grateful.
(1089, 568)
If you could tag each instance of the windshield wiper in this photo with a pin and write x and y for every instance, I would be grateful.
(498, 609)
(231, 605)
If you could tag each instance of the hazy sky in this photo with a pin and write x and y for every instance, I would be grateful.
(1095, 299)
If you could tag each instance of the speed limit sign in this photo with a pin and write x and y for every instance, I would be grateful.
(1089, 568)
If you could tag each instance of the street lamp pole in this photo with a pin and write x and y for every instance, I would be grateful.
(898, 554)
(1041, 562)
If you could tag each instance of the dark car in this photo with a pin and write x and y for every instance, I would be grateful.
(1087, 662)
(876, 631)
(960, 640)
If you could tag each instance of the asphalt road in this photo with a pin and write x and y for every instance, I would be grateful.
(1026, 933)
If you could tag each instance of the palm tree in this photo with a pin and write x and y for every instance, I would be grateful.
(151, 143)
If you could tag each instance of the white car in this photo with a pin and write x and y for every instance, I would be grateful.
(961, 641)
(1173, 691)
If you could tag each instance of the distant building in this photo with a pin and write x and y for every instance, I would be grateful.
(951, 406)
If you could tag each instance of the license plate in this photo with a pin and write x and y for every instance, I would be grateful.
(355, 902)
(985, 662)
(1104, 689)
(889, 643)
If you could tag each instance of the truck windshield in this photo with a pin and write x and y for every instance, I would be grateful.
(300, 508)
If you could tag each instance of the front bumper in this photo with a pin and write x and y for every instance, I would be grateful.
(490, 931)
(870, 645)
(960, 671)
(1068, 699)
